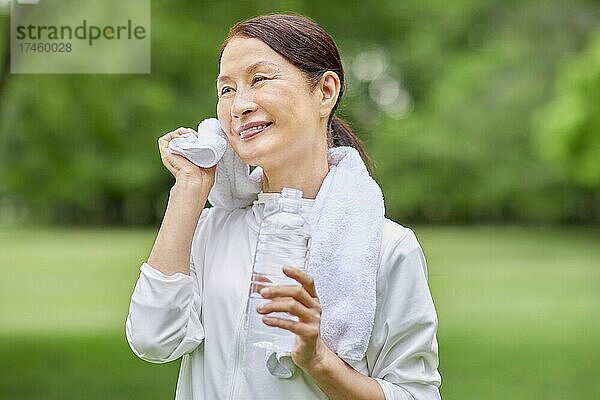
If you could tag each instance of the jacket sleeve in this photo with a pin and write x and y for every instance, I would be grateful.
(164, 320)
(403, 353)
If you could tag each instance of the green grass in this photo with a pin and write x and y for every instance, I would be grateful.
(80, 366)
(518, 311)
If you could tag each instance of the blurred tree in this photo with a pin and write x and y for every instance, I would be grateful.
(568, 129)
(442, 92)
(466, 151)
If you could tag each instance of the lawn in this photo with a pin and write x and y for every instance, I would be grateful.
(518, 311)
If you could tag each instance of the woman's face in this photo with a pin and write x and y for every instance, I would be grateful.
(257, 86)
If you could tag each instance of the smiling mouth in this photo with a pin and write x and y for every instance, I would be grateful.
(249, 133)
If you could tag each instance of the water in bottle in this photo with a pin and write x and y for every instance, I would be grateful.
(283, 239)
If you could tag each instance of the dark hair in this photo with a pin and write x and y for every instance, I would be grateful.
(307, 46)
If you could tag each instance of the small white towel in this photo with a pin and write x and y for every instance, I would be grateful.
(346, 222)
(204, 149)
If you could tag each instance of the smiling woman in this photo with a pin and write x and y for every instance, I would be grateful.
(365, 322)
(275, 93)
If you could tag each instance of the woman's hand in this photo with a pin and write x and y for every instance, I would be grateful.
(301, 301)
(181, 167)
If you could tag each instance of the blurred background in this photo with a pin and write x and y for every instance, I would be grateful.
(482, 118)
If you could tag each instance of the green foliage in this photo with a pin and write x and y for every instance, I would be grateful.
(455, 145)
(466, 152)
(568, 129)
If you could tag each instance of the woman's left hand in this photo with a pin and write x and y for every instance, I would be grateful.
(302, 302)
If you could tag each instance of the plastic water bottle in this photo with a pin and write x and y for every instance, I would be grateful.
(283, 239)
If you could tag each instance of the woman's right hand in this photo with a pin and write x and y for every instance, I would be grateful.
(182, 168)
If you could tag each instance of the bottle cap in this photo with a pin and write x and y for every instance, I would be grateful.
(291, 193)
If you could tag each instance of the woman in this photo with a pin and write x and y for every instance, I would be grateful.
(280, 81)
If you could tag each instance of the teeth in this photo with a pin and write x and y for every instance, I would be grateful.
(255, 128)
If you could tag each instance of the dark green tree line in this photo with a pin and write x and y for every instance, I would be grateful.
(472, 110)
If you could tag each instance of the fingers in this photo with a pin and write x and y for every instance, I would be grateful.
(294, 296)
(163, 141)
(298, 300)
(293, 307)
(294, 291)
(304, 278)
(166, 156)
(305, 330)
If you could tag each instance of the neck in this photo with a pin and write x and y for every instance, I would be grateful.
(306, 174)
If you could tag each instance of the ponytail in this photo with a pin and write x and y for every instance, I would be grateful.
(339, 133)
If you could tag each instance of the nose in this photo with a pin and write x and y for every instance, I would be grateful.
(242, 104)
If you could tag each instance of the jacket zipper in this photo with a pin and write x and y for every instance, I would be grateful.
(236, 364)
(238, 340)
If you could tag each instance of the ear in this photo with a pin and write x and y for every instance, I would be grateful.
(329, 91)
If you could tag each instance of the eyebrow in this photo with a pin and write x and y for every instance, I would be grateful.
(249, 69)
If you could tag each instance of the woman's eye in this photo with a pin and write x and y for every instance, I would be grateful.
(256, 79)
(259, 78)
(225, 90)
